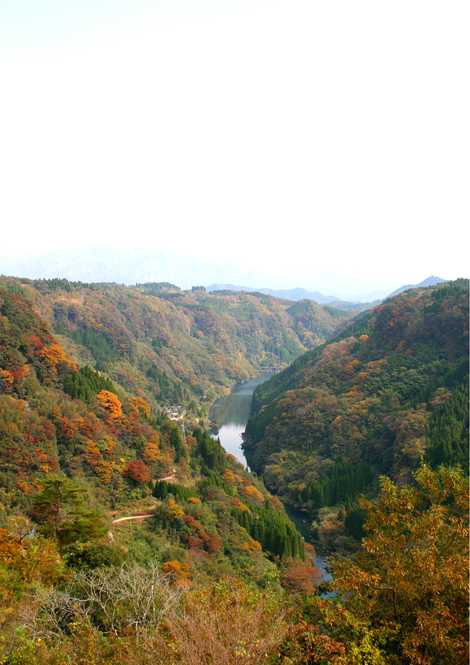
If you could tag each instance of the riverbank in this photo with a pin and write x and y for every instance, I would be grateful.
(231, 414)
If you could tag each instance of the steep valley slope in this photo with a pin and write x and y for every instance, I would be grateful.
(388, 393)
(75, 444)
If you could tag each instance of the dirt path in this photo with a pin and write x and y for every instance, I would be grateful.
(129, 518)
(170, 477)
(143, 516)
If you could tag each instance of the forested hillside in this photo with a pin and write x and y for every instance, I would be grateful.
(177, 346)
(76, 450)
(127, 540)
(386, 395)
(59, 418)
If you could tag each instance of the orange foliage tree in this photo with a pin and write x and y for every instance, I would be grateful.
(110, 402)
(55, 355)
(253, 493)
(177, 571)
(6, 380)
(140, 406)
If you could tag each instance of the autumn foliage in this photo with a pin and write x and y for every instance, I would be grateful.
(110, 402)
(152, 448)
(388, 393)
(409, 581)
(138, 471)
(178, 572)
(217, 573)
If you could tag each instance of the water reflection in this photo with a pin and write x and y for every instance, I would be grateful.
(231, 414)
(230, 437)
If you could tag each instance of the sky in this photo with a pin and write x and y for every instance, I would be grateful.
(317, 143)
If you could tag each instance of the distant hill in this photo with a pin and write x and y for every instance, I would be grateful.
(158, 287)
(355, 304)
(295, 294)
(173, 345)
(433, 280)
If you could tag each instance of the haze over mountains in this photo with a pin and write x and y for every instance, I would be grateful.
(140, 266)
(134, 265)
(326, 299)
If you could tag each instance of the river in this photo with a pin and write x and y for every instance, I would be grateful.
(231, 414)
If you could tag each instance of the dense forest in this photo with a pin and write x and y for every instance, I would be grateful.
(387, 394)
(59, 421)
(127, 537)
(184, 347)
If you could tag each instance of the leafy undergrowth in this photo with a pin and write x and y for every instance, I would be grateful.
(393, 604)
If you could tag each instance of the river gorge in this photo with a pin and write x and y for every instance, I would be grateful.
(231, 413)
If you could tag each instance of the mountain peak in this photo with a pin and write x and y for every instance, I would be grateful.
(432, 280)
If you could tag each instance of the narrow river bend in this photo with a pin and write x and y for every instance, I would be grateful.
(231, 414)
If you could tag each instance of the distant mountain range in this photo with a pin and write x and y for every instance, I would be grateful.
(137, 266)
(286, 294)
(429, 281)
(298, 293)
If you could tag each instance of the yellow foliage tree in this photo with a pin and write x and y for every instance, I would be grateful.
(409, 582)
(254, 493)
(140, 405)
(152, 448)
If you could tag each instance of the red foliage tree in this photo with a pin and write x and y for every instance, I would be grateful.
(138, 471)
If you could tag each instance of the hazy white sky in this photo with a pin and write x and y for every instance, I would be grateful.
(316, 143)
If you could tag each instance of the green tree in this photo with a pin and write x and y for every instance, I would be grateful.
(448, 431)
(62, 510)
